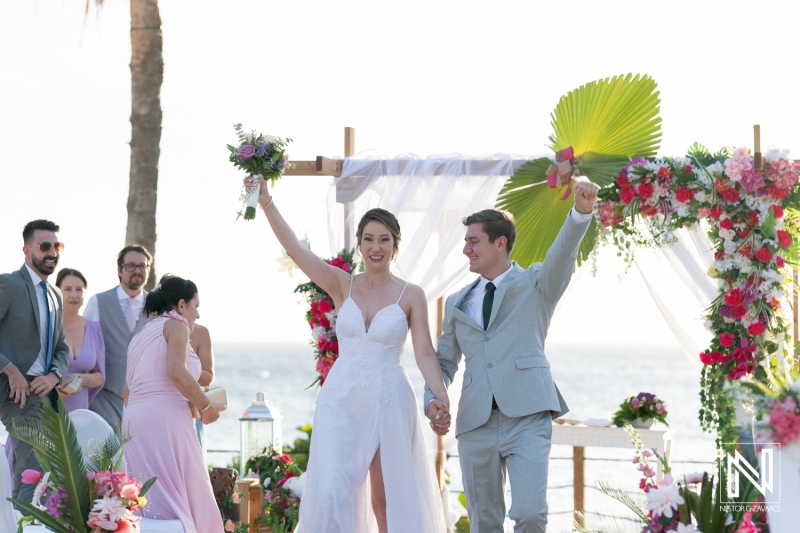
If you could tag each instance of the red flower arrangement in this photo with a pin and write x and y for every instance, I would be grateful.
(321, 317)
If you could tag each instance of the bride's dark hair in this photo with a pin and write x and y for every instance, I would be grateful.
(166, 296)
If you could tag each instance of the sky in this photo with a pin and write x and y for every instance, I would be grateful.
(420, 77)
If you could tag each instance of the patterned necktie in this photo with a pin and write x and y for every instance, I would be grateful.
(488, 300)
(49, 354)
(130, 315)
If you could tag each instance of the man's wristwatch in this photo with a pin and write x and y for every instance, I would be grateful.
(58, 374)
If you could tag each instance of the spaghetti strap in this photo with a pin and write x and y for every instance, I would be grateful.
(402, 293)
(349, 294)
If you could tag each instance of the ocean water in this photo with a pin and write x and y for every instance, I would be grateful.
(593, 380)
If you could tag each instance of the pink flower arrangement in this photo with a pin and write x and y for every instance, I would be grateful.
(742, 205)
(785, 420)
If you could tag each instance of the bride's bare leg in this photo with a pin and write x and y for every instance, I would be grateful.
(378, 492)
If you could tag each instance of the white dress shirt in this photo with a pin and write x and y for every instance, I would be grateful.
(92, 311)
(37, 368)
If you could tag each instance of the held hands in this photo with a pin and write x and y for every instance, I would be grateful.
(439, 414)
(585, 195)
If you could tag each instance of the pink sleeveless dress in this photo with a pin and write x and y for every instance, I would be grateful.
(164, 441)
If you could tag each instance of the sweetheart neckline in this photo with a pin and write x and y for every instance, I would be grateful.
(366, 329)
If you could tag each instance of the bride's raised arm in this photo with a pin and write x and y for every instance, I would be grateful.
(332, 280)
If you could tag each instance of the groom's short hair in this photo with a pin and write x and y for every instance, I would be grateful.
(495, 223)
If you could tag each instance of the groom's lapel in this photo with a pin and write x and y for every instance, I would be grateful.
(501, 291)
(458, 314)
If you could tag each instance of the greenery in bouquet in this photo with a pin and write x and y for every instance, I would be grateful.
(80, 495)
(258, 155)
(280, 510)
(300, 448)
(644, 406)
(321, 317)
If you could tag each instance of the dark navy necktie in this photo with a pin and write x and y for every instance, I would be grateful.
(488, 300)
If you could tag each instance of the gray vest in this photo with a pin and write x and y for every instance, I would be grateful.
(116, 337)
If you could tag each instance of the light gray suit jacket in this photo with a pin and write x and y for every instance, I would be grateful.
(19, 326)
(507, 360)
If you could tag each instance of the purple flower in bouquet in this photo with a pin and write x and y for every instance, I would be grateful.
(247, 151)
(55, 505)
(261, 149)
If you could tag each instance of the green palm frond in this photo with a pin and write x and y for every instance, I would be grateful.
(630, 499)
(107, 454)
(42, 516)
(56, 448)
(606, 122)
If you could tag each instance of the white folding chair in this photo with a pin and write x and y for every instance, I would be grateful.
(92, 427)
(9, 516)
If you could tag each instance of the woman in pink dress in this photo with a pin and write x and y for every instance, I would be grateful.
(161, 389)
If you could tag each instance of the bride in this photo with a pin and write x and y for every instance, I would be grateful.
(368, 467)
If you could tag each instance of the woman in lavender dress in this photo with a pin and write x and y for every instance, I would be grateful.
(85, 340)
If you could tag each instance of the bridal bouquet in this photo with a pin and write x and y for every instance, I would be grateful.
(261, 156)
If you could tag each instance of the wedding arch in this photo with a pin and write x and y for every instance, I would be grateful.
(746, 201)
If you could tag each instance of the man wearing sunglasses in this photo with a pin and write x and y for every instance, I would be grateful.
(119, 311)
(34, 355)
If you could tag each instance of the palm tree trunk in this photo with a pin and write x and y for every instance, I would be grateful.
(147, 74)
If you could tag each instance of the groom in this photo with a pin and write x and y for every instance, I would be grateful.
(499, 323)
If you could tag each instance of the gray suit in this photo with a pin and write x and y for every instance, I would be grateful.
(507, 362)
(20, 344)
(116, 335)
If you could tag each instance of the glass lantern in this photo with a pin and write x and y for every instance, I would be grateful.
(260, 428)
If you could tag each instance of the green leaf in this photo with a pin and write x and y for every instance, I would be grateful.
(147, 484)
(606, 122)
(56, 448)
(42, 516)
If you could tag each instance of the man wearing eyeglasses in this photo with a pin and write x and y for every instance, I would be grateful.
(34, 355)
(119, 311)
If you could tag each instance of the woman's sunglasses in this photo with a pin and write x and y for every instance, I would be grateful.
(45, 246)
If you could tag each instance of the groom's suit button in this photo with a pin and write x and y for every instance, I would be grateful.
(489, 365)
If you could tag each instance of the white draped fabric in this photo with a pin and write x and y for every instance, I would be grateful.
(682, 293)
(429, 197)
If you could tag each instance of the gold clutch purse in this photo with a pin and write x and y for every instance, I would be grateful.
(215, 395)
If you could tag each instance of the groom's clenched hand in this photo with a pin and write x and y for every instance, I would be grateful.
(439, 415)
(585, 195)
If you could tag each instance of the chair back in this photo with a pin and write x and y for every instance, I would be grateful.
(92, 429)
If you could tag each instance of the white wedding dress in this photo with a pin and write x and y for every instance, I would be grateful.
(367, 403)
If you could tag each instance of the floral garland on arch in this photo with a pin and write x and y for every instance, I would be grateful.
(744, 208)
(321, 316)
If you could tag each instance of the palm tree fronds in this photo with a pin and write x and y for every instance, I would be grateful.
(56, 448)
(630, 499)
(606, 122)
(107, 454)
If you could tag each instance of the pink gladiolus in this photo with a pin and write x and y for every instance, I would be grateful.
(29, 477)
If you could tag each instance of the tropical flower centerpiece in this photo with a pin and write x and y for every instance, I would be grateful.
(83, 496)
(642, 407)
(321, 316)
(280, 510)
(261, 156)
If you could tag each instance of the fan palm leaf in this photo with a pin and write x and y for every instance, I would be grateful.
(55, 445)
(107, 454)
(606, 122)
